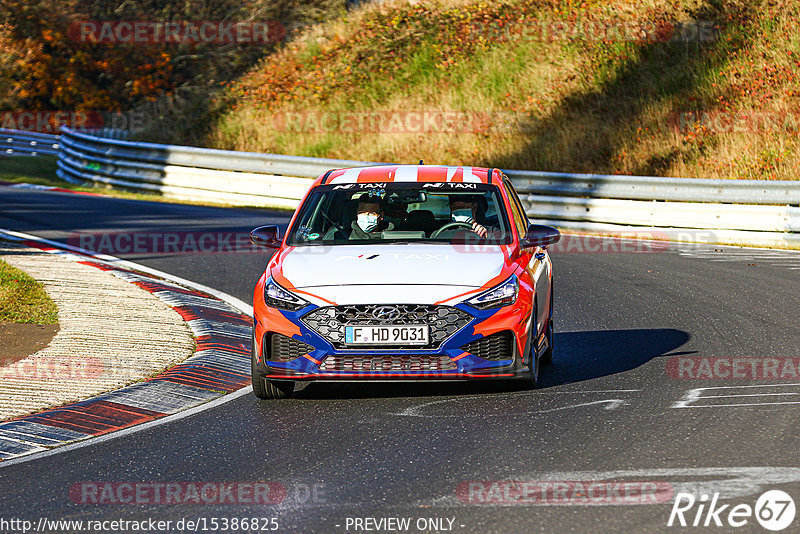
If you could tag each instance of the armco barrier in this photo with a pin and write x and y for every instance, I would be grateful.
(19, 143)
(241, 178)
(649, 188)
(740, 212)
(26, 143)
(753, 212)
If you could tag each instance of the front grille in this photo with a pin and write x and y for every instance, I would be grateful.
(387, 363)
(284, 349)
(444, 321)
(498, 346)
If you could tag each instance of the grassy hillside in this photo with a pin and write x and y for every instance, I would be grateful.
(694, 88)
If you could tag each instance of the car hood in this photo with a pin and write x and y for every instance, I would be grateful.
(389, 272)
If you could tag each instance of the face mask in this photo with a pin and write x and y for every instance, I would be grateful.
(367, 221)
(462, 215)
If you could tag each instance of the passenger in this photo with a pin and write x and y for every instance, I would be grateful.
(369, 221)
(396, 212)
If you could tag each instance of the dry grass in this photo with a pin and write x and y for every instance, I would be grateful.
(572, 103)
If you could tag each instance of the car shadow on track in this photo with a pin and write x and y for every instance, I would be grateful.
(579, 356)
(595, 353)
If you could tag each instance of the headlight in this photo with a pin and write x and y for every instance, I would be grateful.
(502, 295)
(277, 297)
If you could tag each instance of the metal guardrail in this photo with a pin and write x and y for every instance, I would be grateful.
(26, 143)
(754, 212)
(243, 178)
(742, 212)
(19, 143)
(650, 188)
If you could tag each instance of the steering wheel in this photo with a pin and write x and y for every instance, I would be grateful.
(451, 226)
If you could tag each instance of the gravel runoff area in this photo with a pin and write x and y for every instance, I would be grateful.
(112, 334)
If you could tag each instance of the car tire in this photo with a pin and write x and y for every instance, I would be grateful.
(533, 358)
(547, 356)
(278, 389)
(267, 389)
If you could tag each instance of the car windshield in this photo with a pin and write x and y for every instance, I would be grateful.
(401, 212)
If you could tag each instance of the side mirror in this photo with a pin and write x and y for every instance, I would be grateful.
(540, 236)
(266, 236)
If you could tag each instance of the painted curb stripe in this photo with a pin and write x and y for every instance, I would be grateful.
(28, 430)
(28, 438)
(220, 365)
(222, 343)
(176, 299)
(94, 417)
(203, 327)
(12, 449)
(212, 315)
(165, 396)
(38, 187)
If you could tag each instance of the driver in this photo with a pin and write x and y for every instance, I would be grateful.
(369, 221)
(466, 209)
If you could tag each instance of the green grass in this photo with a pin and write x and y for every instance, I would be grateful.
(318, 149)
(39, 170)
(23, 299)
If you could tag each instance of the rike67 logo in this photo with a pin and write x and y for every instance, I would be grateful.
(774, 510)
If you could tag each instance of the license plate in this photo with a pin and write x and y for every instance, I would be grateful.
(386, 335)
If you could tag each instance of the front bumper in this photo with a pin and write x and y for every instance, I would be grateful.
(301, 352)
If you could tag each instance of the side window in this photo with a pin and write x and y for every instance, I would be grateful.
(520, 220)
(513, 193)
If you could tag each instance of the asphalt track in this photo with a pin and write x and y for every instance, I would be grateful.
(608, 409)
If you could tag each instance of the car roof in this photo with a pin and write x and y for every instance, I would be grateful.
(410, 173)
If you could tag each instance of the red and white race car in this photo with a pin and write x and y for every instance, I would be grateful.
(406, 272)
